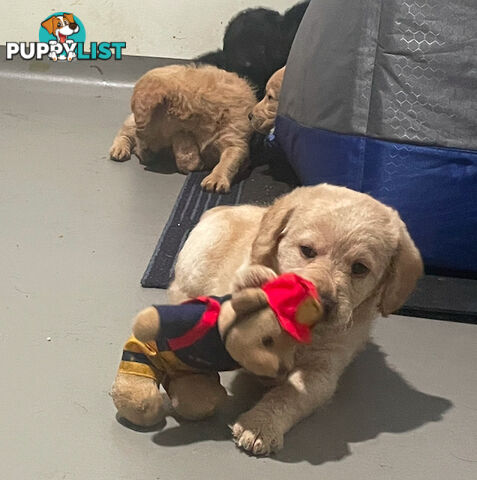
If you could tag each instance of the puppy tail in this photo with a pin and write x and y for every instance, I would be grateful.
(146, 325)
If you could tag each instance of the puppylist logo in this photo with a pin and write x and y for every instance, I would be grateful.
(63, 37)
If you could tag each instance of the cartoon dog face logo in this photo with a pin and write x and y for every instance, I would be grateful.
(61, 26)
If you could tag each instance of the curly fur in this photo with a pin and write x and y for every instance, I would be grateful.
(201, 112)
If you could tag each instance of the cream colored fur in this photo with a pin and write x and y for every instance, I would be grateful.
(234, 247)
(201, 112)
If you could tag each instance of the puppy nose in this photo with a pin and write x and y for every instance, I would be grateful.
(73, 26)
(328, 302)
(250, 116)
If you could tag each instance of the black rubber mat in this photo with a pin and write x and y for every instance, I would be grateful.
(261, 187)
(443, 298)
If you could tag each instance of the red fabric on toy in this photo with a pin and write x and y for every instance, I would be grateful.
(285, 293)
(207, 321)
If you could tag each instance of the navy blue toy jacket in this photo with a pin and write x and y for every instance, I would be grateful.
(188, 341)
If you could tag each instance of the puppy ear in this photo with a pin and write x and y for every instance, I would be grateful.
(181, 107)
(405, 269)
(69, 17)
(144, 101)
(272, 226)
(49, 24)
(248, 301)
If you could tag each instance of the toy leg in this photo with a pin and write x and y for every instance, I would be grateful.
(137, 399)
(186, 153)
(196, 396)
(252, 276)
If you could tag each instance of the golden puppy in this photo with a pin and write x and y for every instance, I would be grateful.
(357, 252)
(201, 112)
(263, 114)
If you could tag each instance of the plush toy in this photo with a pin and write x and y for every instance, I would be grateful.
(182, 347)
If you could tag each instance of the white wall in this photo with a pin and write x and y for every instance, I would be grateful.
(161, 28)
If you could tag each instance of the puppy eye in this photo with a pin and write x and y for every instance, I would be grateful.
(58, 25)
(359, 269)
(268, 342)
(307, 252)
(269, 97)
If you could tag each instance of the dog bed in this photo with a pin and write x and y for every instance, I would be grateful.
(380, 97)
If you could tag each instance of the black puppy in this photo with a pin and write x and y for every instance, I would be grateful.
(291, 21)
(256, 43)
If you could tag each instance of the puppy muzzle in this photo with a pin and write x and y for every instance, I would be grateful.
(261, 125)
(337, 309)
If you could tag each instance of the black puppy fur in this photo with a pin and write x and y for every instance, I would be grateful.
(256, 43)
(291, 21)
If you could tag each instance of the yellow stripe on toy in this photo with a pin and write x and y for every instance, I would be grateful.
(134, 345)
(140, 369)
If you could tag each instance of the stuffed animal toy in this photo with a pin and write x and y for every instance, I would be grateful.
(182, 347)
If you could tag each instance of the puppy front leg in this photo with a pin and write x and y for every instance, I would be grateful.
(261, 429)
(125, 141)
(186, 153)
(231, 161)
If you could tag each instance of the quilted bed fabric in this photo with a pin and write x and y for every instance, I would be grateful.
(380, 96)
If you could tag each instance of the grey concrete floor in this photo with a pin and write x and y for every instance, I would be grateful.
(77, 231)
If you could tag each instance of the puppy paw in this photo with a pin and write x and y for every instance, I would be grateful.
(256, 434)
(120, 151)
(216, 183)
